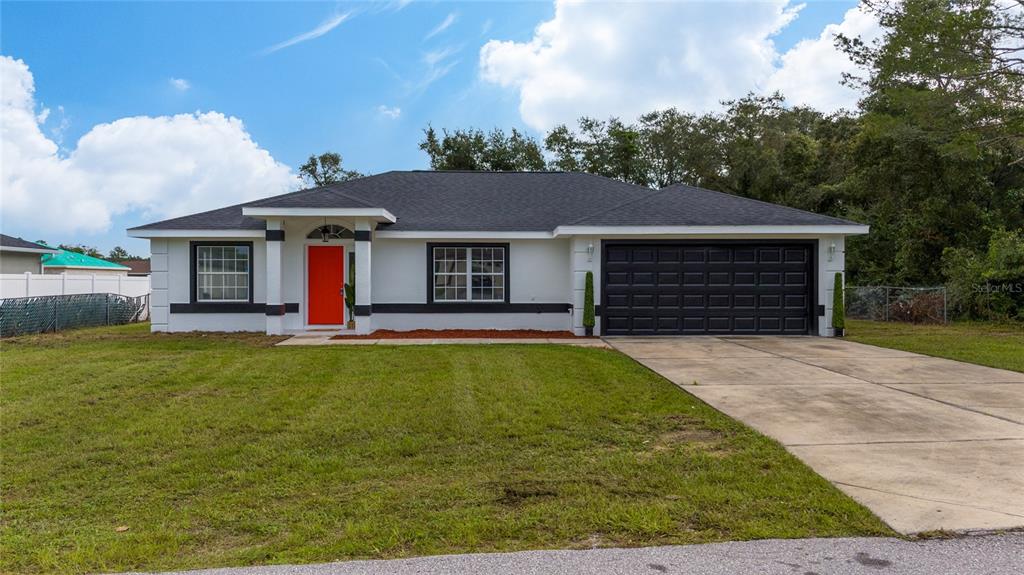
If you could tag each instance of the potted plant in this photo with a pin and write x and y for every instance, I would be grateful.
(838, 308)
(350, 304)
(588, 305)
(350, 296)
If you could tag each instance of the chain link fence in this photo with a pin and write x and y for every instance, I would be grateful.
(892, 303)
(25, 315)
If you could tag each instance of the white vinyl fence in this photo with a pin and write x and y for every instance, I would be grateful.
(33, 285)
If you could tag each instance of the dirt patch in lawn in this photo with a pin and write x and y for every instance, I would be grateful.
(465, 334)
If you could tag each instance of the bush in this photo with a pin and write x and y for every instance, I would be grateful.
(917, 307)
(987, 285)
(588, 301)
(838, 309)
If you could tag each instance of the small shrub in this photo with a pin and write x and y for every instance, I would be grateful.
(838, 311)
(588, 302)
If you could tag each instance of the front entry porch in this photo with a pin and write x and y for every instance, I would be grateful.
(310, 257)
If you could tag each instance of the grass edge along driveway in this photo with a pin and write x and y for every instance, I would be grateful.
(993, 344)
(128, 450)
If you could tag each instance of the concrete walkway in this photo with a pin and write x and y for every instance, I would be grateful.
(925, 443)
(991, 555)
(325, 339)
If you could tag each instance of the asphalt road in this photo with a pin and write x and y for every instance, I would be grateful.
(981, 554)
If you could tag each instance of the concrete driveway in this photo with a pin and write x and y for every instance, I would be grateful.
(926, 443)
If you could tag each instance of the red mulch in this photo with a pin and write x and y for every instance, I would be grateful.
(464, 334)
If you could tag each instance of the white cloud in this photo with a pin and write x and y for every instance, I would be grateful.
(611, 58)
(448, 21)
(179, 84)
(158, 166)
(438, 64)
(323, 28)
(389, 112)
(811, 71)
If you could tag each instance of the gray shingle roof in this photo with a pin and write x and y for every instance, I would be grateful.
(13, 242)
(512, 201)
(682, 205)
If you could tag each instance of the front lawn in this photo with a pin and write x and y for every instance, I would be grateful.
(125, 450)
(985, 343)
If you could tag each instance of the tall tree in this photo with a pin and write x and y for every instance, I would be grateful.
(938, 161)
(326, 169)
(472, 149)
(119, 253)
(608, 148)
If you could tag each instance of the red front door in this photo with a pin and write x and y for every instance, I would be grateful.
(326, 285)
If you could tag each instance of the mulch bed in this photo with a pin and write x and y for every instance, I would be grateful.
(465, 334)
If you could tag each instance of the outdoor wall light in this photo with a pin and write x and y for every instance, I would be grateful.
(590, 252)
(831, 250)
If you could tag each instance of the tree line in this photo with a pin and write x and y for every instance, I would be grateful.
(932, 158)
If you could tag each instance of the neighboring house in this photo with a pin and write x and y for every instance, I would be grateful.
(510, 250)
(136, 268)
(18, 256)
(74, 262)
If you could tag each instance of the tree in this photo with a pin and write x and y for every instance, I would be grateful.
(326, 169)
(120, 254)
(82, 249)
(938, 159)
(953, 68)
(472, 149)
(611, 149)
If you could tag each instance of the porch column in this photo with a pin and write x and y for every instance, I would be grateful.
(364, 317)
(275, 300)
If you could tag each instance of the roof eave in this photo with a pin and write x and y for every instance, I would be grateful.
(28, 250)
(740, 231)
(379, 215)
(151, 233)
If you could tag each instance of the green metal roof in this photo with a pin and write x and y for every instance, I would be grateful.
(66, 259)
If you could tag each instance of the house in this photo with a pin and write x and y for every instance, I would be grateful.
(136, 267)
(18, 256)
(73, 262)
(505, 250)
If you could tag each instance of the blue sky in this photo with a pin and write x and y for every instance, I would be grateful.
(365, 87)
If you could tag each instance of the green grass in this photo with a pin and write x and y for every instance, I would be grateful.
(985, 343)
(222, 450)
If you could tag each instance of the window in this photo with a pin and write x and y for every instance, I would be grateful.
(222, 273)
(468, 273)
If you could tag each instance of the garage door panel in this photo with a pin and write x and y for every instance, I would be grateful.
(707, 288)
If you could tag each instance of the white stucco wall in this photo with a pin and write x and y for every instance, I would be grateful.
(828, 265)
(537, 270)
(541, 271)
(20, 262)
(170, 276)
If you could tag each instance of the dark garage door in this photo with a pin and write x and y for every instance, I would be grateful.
(713, 288)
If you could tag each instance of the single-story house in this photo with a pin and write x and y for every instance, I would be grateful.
(64, 261)
(498, 250)
(136, 267)
(18, 256)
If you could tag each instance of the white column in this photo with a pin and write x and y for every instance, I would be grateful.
(275, 301)
(364, 243)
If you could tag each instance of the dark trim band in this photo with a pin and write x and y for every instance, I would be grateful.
(275, 235)
(233, 307)
(471, 307)
(364, 310)
(364, 235)
(275, 309)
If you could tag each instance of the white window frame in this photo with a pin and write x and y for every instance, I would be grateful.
(469, 274)
(247, 274)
